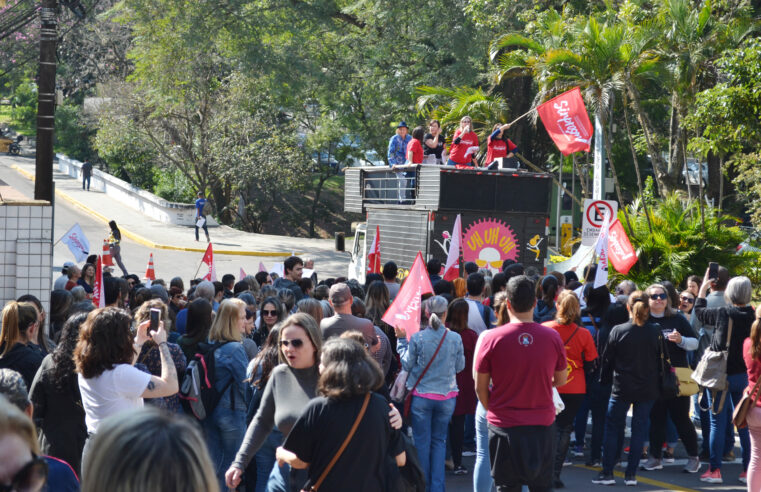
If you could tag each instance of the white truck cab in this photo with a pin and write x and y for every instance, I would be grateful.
(358, 259)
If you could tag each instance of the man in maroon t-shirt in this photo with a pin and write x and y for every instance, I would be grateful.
(522, 361)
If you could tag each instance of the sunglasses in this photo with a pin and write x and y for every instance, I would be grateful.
(661, 297)
(31, 477)
(295, 343)
(266, 312)
(249, 314)
(686, 299)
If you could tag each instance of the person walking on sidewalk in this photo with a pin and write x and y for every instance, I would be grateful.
(114, 239)
(200, 217)
(86, 174)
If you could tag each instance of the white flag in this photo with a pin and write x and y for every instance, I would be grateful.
(601, 249)
(77, 242)
(452, 268)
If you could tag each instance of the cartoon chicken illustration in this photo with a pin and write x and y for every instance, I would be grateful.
(533, 245)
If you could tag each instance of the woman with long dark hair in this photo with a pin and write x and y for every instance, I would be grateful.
(60, 304)
(271, 312)
(87, 280)
(546, 292)
(58, 408)
(114, 241)
(197, 328)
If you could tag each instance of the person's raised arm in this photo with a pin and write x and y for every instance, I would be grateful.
(167, 384)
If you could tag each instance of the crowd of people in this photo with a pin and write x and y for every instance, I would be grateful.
(302, 383)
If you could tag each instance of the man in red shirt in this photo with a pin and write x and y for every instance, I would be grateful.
(522, 360)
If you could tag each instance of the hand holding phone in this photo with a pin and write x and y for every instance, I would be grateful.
(713, 270)
(155, 315)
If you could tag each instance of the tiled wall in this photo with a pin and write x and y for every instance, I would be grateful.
(26, 252)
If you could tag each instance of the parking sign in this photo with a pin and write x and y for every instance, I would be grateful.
(594, 214)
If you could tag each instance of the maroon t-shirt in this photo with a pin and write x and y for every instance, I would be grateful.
(521, 359)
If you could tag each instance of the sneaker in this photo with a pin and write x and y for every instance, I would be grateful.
(743, 477)
(652, 464)
(568, 462)
(712, 476)
(693, 465)
(630, 481)
(468, 453)
(668, 456)
(730, 456)
(604, 479)
(460, 470)
(593, 463)
(577, 451)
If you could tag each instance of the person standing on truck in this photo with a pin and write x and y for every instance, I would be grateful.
(434, 142)
(464, 146)
(397, 154)
(415, 147)
(498, 145)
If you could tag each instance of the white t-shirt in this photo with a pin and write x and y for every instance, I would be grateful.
(112, 392)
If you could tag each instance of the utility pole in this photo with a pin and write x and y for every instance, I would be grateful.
(43, 184)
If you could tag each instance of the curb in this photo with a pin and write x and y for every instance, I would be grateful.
(146, 242)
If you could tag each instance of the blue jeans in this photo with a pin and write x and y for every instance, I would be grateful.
(596, 401)
(450, 162)
(723, 421)
(430, 424)
(86, 180)
(482, 481)
(265, 459)
(224, 432)
(615, 421)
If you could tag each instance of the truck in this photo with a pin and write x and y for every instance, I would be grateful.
(504, 215)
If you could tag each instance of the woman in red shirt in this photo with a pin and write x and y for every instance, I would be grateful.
(498, 145)
(462, 151)
(579, 348)
(752, 356)
(415, 147)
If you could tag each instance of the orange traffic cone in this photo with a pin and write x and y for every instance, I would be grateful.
(107, 261)
(150, 273)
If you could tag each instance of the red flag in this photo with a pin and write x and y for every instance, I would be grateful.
(373, 257)
(208, 258)
(566, 120)
(98, 292)
(404, 312)
(452, 268)
(242, 274)
(622, 254)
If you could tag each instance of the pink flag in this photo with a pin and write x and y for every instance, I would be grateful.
(262, 268)
(601, 248)
(242, 274)
(452, 268)
(404, 312)
(98, 291)
(566, 120)
(373, 257)
(208, 259)
(622, 254)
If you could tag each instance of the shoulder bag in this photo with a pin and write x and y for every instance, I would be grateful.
(669, 383)
(408, 398)
(340, 451)
(740, 415)
(711, 372)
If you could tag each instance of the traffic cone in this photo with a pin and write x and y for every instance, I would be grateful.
(150, 273)
(107, 261)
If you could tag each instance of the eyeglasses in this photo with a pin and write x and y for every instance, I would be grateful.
(249, 314)
(661, 297)
(31, 477)
(295, 343)
(266, 312)
(686, 299)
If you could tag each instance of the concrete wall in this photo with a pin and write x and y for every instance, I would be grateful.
(26, 252)
(144, 202)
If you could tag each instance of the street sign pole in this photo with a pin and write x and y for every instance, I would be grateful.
(598, 179)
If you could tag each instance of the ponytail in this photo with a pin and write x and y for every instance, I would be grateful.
(755, 336)
(639, 307)
(435, 307)
(17, 316)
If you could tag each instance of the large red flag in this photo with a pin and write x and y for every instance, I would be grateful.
(452, 268)
(622, 254)
(566, 120)
(404, 312)
(98, 291)
(208, 259)
(373, 257)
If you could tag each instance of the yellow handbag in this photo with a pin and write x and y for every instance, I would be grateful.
(687, 385)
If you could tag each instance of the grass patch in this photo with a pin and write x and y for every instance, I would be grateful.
(334, 184)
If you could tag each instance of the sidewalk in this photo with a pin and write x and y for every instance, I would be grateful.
(157, 235)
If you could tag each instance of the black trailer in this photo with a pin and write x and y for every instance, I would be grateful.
(505, 214)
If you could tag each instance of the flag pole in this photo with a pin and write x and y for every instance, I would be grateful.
(540, 170)
(522, 116)
(198, 269)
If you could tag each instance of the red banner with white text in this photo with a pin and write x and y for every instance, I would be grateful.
(404, 312)
(620, 251)
(566, 120)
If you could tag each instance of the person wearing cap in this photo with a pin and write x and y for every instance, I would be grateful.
(60, 282)
(464, 146)
(397, 155)
(341, 299)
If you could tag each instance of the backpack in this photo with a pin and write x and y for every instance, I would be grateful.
(198, 395)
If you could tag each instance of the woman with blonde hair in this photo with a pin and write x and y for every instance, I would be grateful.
(21, 324)
(579, 349)
(148, 450)
(22, 467)
(289, 388)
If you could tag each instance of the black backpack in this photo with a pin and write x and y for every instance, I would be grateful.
(198, 395)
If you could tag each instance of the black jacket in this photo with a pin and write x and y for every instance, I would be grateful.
(24, 359)
(284, 283)
(631, 361)
(719, 317)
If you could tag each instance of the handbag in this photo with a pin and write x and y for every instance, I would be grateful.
(669, 383)
(711, 372)
(740, 415)
(408, 397)
(687, 387)
(340, 451)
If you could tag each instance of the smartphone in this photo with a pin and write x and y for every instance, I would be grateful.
(713, 270)
(155, 314)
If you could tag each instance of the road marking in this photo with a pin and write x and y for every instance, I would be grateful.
(649, 481)
(146, 242)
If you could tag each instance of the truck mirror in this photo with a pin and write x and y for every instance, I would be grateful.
(340, 241)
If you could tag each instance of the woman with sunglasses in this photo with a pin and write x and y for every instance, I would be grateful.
(272, 312)
(21, 466)
(686, 303)
(290, 387)
(679, 339)
(464, 146)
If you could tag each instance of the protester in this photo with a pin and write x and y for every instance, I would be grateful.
(41, 342)
(377, 302)
(17, 350)
(60, 282)
(293, 267)
(434, 143)
(546, 292)
(148, 450)
(21, 467)
(348, 378)
(87, 280)
(752, 358)
(114, 248)
(74, 275)
(480, 317)
(390, 270)
(199, 318)
(271, 313)
(686, 304)
(415, 146)
(432, 357)
(498, 145)
(341, 299)
(464, 146)
(517, 365)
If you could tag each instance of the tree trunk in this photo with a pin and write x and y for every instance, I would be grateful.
(659, 167)
(636, 166)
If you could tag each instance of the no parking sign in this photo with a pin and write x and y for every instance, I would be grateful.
(594, 214)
